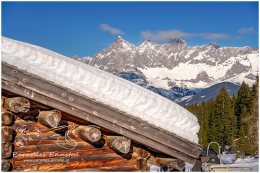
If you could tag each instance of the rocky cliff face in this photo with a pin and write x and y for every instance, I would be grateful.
(176, 66)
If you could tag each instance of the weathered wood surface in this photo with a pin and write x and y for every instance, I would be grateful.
(30, 127)
(84, 115)
(108, 169)
(50, 118)
(141, 152)
(65, 164)
(142, 164)
(7, 149)
(84, 156)
(7, 134)
(44, 145)
(7, 118)
(97, 113)
(17, 104)
(22, 127)
(37, 105)
(119, 143)
(88, 133)
(171, 162)
(6, 166)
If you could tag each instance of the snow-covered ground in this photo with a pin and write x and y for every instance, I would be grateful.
(101, 86)
(229, 162)
(248, 162)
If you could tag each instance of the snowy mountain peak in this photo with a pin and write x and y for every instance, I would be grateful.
(146, 44)
(177, 65)
(214, 45)
(121, 43)
(119, 37)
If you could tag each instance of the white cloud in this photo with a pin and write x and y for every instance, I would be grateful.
(169, 34)
(111, 30)
(248, 30)
(164, 35)
(216, 36)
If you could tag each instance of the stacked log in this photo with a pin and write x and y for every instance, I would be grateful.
(6, 165)
(46, 140)
(84, 156)
(7, 118)
(8, 105)
(172, 163)
(119, 143)
(17, 104)
(88, 133)
(142, 158)
(50, 118)
(7, 134)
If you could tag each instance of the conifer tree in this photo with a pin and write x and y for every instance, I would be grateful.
(224, 122)
(203, 134)
(254, 123)
(245, 114)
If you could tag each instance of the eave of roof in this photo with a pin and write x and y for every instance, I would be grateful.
(48, 93)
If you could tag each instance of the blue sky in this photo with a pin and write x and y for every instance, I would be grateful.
(84, 28)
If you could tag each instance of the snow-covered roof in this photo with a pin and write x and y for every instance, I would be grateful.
(101, 86)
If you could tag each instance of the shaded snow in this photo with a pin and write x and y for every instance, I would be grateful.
(101, 86)
(230, 160)
(248, 162)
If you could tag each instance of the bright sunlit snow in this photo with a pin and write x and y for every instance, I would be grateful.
(101, 86)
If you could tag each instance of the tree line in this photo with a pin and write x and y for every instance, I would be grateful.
(232, 121)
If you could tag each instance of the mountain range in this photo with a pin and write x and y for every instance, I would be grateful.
(182, 73)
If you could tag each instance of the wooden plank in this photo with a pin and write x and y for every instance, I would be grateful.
(133, 124)
(96, 120)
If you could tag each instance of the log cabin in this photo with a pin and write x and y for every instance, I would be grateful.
(48, 127)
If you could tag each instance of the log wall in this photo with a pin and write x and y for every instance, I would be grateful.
(36, 137)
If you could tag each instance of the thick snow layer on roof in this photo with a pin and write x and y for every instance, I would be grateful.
(101, 86)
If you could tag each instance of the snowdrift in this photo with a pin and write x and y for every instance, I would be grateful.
(101, 86)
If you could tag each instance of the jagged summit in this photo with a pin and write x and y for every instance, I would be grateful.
(120, 42)
(178, 41)
(175, 70)
(119, 37)
(175, 64)
(146, 43)
(214, 44)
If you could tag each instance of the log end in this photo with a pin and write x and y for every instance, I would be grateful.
(88, 133)
(50, 118)
(7, 118)
(7, 150)
(17, 104)
(6, 166)
(120, 143)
